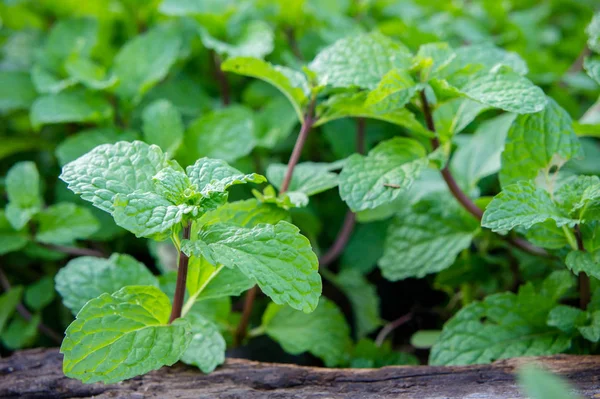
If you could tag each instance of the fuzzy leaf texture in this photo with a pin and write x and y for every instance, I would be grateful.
(130, 328)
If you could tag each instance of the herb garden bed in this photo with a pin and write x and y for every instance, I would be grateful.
(37, 373)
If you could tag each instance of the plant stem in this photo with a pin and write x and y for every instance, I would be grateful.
(460, 195)
(76, 251)
(192, 299)
(291, 38)
(391, 326)
(26, 314)
(583, 279)
(182, 270)
(350, 219)
(307, 125)
(221, 79)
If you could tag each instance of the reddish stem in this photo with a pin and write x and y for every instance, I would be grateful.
(391, 326)
(222, 80)
(182, 270)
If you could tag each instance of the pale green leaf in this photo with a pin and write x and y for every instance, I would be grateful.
(80, 143)
(425, 239)
(591, 331)
(64, 223)
(69, 36)
(593, 31)
(131, 327)
(378, 178)
(424, 339)
(581, 261)
(226, 134)
(566, 318)
(248, 213)
(145, 60)
(89, 73)
(397, 83)
(162, 125)
(10, 239)
(522, 205)
(205, 281)
(291, 83)
(112, 169)
(23, 190)
(8, 303)
(254, 40)
(537, 142)
(309, 178)
(87, 277)
(48, 82)
(578, 194)
(70, 107)
(592, 67)
(277, 257)
(215, 176)
(324, 332)
(359, 60)
(541, 384)
(16, 91)
(207, 347)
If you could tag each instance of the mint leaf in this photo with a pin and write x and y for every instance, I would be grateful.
(70, 107)
(425, 239)
(591, 332)
(547, 235)
(226, 134)
(324, 332)
(592, 67)
(486, 57)
(277, 257)
(541, 384)
(205, 281)
(363, 298)
(66, 37)
(47, 82)
(581, 261)
(367, 354)
(21, 333)
(8, 303)
(23, 190)
(566, 318)
(248, 213)
(309, 178)
(153, 53)
(254, 40)
(89, 73)
(291, 83)
(207, 347)
(397, 83)
(112, 169)
(378, 178)
(578, 194)
(39, 294)
(537, 142)
(162, 125)
(359, 61)
(10, 239)
(216, 176)
(16, 91)
(593, 31)
(87, 277)
(455, 115)
(501, 326)
(148, 214)
(131, 327)
(80, 143)
(64, 223)
(522, 205)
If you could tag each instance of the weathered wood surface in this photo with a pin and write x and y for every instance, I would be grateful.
(37, 373)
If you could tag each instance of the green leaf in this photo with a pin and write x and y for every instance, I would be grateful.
(397, 83)
(501, 326)
(20, 333)
(291, 83)
(359, 61)
(592, 67)
(216, 176)
(10, 239)
(254, 40)
(309, 178)
(152, 53)
(591, 332)
(346, 105)
(207, 347)
(593, 31)
(578, 194)
(226, 134)
(324, 332)
(87, 277)
(70, 107)
(363, 298)
(23, 190)
(69, 36)
(581, 261)
(16, 91)
(367, 354)
(8, 303)
(90, 74)
(547, 235)
(148, 214)
(112, 169)
(536, 143)
(131, 327)
(162, 125)
(425, 239)
(453, 116)
(39, 294)
(541, 384)
(522, 205)
(205, 281)
(485, 57)
(277, 257)
(566, 318)
(64, 223)
(424, 339)
(506, 90)
(274, 123)
(480, 156)
(48, 82)
(248, 213)
(80, 143)
(365, 246)
(378, 178)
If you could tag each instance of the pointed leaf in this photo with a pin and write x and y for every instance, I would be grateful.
(23, 191)
(63, 223)
(207, 347)
(162, 125)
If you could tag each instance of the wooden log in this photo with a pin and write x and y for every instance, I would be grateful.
(37, 373)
